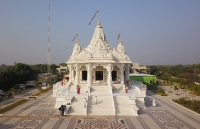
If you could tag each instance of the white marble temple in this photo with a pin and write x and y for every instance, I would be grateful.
(96, 70)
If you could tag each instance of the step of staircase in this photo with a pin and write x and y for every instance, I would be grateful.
(100, 110)
(122, 106)
(105, 106)
(124, 110)
(100, 90)
(121, 100)
(102, 100)
(77, 106)
(117, 87)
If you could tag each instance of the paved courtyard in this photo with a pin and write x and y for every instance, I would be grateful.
(36, 114)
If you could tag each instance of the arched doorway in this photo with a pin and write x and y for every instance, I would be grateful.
(99, 74)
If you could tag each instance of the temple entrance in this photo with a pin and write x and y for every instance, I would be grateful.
(84, 75)
(114, 75)
(99, 75)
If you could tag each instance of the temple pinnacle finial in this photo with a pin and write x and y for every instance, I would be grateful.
(99, 23)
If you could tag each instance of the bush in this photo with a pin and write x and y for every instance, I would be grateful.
(152, 88)
(175, 88)
(190, 104)
(161, 92)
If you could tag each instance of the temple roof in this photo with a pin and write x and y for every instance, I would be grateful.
(99, 50)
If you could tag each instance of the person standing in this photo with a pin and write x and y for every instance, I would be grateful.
(79, 90)
(49, 102)
(154, 103)
(68, 89)
(85, 102)
(60, 109)
(119, 80)
(95, 100)
(87, 93)
(64, 108)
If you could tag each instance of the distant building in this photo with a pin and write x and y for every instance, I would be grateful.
(47, 76)
(30, 83)
(62, 69)
(136, 68)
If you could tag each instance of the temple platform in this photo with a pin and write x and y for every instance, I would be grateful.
(110, 101)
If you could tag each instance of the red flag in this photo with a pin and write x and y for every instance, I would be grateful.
(75, 37)
(93, 17)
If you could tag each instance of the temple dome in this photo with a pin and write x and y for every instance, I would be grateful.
(76, 51)
(120, 48)
(99, 49)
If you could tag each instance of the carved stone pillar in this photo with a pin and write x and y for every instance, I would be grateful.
(122, 74)
(109, 69)
(77, 74)
(72, 78)
(70, 72)
(125, 79)
(127, 73)
(89, 76)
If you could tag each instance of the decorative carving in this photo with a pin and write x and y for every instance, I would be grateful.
(89, 67)
(99, 49)
(143, 93)
(109, 67)
(120, 48)
(76, 51)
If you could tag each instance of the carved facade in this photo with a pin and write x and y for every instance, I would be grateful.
(98, 62)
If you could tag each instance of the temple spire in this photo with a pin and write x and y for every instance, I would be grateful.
(121, 48)
(77, 50)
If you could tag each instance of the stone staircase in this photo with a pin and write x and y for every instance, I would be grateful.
(77, 106)
(105, 106)
(99, 90)
(122, 105)
(117, 88)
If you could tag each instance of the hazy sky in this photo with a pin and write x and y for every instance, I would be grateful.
(153, 31)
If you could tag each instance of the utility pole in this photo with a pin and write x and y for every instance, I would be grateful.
(48, 58)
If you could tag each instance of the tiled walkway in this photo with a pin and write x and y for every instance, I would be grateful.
(36, 114)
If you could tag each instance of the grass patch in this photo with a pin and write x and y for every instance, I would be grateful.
(9, 107)
(170, 92)
(190, 104)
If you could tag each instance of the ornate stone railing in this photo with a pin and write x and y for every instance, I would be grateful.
(139, 92)
(138, 84)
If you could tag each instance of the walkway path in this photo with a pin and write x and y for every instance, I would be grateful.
(36, 114)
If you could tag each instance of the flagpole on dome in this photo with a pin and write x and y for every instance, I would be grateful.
(76, 38)
(118, 38)
(94, 17)
(97, 17)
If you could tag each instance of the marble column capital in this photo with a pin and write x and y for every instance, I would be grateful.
(109, 67)
(88, 67)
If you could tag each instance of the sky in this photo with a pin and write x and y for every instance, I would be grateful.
(155, 32)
